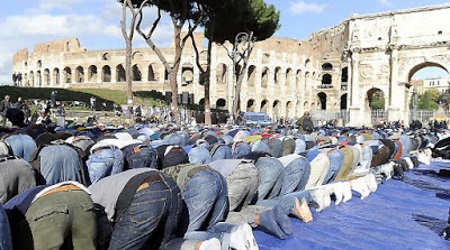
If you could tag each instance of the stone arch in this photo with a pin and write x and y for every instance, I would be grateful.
(251, 105)
(25, 80)
(39, 63)
(289, 79)
(344, 101)
(79, 74)
(121, 76)
(265, 77)
(137, 73)
(67, 75)
(39, 78)
(307, 63)
(152, 72)
(322, 100)
(298, 79)
(137, 55)
(46, 77)
(344, 74)
(221, 73)
(56, 76)
(221, 104)
(264, 106)
(276, 109)
(313, 106)
(106, 56)
(201, 102)
(327, 80)
(251, 75)
(31, 78)
(327, 66)
(92, 73)
(422, 65)
(371, 94)
(290, 110)
(106, 74)
(277, 75)
(187, 74)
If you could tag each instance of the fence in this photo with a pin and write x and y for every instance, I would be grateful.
(319, 116)
(426, 115)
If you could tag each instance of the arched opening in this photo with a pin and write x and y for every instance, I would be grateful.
(277, 75)
(265, 77)
(56, 76)
(79, 74)
(326, 81)
(290, 111)
(221, 73)
(251, 75)
(39, 63)
(221, 104)
(67, 75)
(187, 74)
(137, 55)
(25, 79)
(39, 78)
(106, 74)
(375, 99)
(137, 74)
(31, 78)
(92, 73)
(202, 102)
(289, 80)
(276, 112)
(344, 101)
(47, 77)
(264, 106)
(327, 66)
(152, 76)
(251, 105)
(323, 100)
(120, 73)
(106, 57)
(298, 79)
(307, 63)
(432, 82)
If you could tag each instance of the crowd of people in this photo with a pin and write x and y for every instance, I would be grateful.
(155, 186)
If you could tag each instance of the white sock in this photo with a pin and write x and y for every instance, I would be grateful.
(322, 197)
(241, 238)
(347, 191)
(371, 182)
(338, 192)
(211, 244)
(250, 241)
(359, 185)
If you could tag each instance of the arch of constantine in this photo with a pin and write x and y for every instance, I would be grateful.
(335, 69)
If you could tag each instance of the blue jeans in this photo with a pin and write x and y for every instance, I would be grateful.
(295, 176)
(222, 152)
(242, 185)
(104, 162)
(271, 171)
(406, 141)
(220, 231)
(300, 146)
(59, 163)
(287, 201)
(22, 145)
(336, 159)
(206, 198)
(140, 156)
(241, 150)
(199, 155)
(151, 219)
(5, 233)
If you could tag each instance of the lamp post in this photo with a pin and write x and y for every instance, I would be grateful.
(237, 54)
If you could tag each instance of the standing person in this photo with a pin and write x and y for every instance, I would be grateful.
(92, 101)
(5, 104)
(53, 99)
(305, 124)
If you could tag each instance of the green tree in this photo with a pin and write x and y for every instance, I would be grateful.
(427, 100)
(377, 101)
(242, 23)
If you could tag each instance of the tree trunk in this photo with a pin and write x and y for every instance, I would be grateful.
(174, 72)
(207, 81)
(129, 72)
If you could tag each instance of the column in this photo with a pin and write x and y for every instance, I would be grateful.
(355, 101)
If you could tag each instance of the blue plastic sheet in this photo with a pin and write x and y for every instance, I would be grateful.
(407, 214)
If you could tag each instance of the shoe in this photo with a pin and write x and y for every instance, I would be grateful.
(241, 238)
(409, 162)
(211, 244)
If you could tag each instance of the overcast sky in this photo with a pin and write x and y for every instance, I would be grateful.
(97, 22)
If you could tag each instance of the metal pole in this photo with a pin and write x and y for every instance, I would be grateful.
(414, 103)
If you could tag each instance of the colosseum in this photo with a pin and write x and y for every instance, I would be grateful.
(334, 71)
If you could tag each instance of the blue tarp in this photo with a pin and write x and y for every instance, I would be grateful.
(407, 214)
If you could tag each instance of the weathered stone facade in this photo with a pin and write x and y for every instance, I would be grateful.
(334, 69)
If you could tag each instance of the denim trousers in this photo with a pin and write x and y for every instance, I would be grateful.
(139, 156)
(220, 231)
(295, 175)
(199, 155)
(205, 195)
(336, 159)
(222, 152)
(104, 162)
(55, 218)
(151, 219)
(242, 185)
(300, 146)
(271, 172)
(366, 158)
(22, 145)
(241, 150)
(5, 233)
(407, 145)
(59, 163)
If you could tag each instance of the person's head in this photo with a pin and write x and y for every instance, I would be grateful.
(7, 97)
(19, 99)
(306, 114)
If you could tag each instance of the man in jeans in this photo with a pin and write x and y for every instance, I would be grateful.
(142, 209)
(60, 216)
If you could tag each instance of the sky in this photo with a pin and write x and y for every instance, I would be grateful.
(96, 23)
